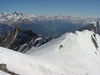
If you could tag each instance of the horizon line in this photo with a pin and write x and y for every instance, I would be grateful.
(43, 14)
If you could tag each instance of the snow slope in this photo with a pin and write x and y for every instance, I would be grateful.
(3, 73)
(26, 65)
(70, 54)
(77, 56)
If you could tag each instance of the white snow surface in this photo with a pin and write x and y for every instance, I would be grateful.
(3, 73)
(26, 65)
(77, 56)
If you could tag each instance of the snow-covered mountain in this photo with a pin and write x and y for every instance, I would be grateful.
(10, 18)
(16, 17)
(44, 25)
(21, 40)
(70, 54)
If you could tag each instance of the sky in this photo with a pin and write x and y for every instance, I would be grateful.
(53, 7)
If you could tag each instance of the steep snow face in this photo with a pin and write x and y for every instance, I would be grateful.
(70, 54)
(75, 54)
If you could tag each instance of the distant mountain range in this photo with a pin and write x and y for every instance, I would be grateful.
(48, 26)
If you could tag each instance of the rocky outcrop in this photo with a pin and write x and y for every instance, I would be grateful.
(94, 40)
(3, 67)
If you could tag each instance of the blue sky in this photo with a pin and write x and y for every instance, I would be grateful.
(53, 7)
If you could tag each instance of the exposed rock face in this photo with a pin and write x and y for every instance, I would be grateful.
(21, 40)
(3, 67)
(94, 40)
(6, 38)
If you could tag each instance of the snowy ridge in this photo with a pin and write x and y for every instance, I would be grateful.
(76, 56)
(70, 54)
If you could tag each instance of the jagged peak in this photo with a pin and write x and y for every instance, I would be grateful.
(17, 28)
(18, 13)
